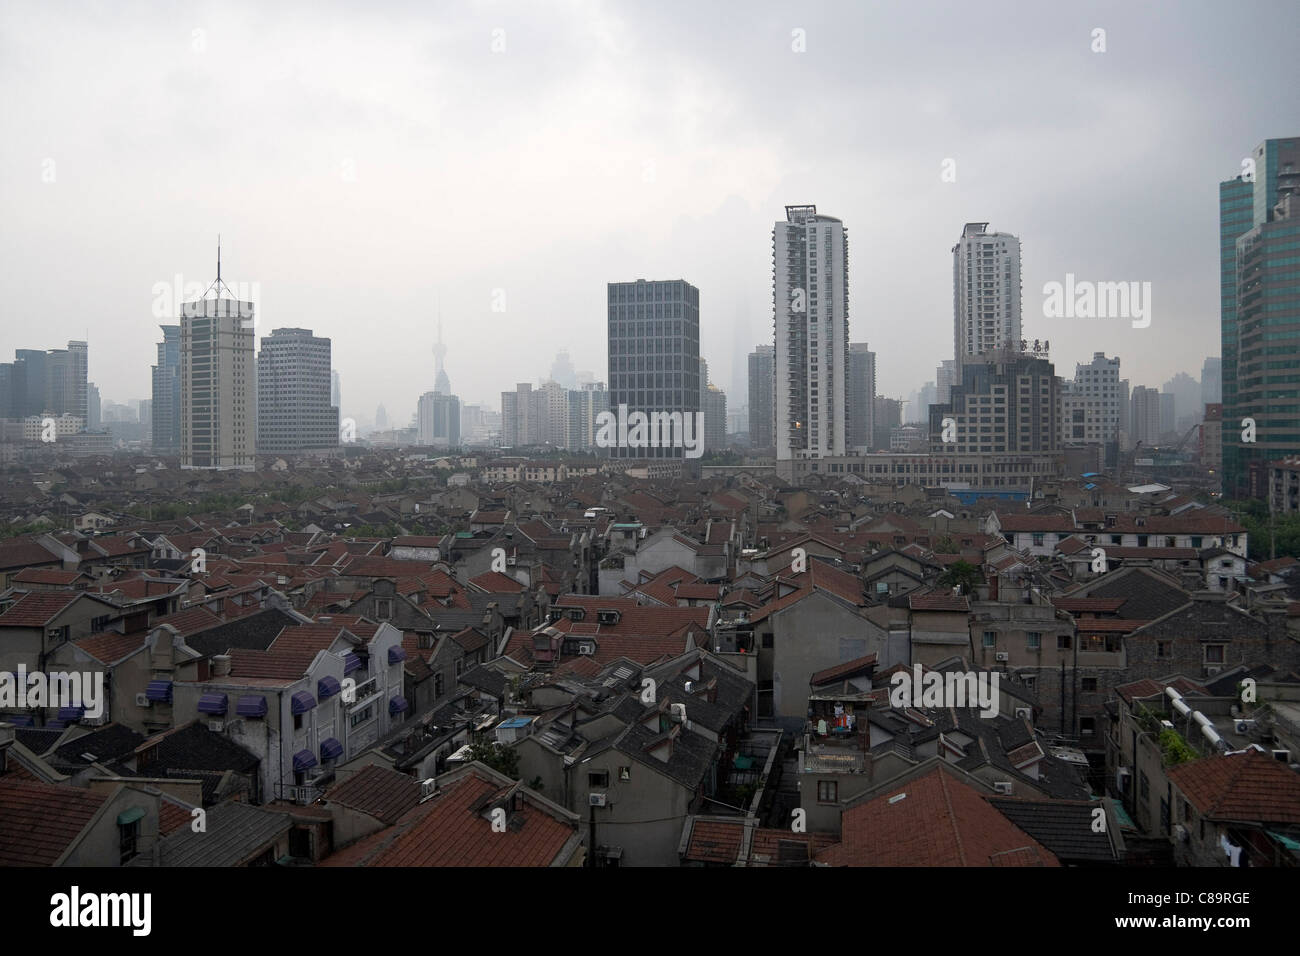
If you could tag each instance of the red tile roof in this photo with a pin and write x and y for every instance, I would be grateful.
(45, 576)
(714, 841)
(938, 601)
(938, 821)
(39, 821)
(1249, 786)
(379, 792)
(841, 671)
(24, 552)
(494, 582)
(191, 620)
(245, 663)
(36, 608)
(109, 647)
(1142, 689)
(449, 830)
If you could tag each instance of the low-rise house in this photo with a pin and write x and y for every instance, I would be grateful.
(473, 816)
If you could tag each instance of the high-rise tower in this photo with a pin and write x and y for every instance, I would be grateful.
(810, 285)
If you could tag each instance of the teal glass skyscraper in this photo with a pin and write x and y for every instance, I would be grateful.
(1259, 262)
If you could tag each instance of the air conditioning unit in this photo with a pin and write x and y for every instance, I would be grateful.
(1002, 656)
(142, 700)
(1002, 786)
(597, 799)
(427, 788)
(1211, 670)
(217, 726)
(678, 711)
(1025, 712)
(1244, 726)
(510, 562)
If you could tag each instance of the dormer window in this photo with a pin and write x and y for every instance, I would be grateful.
(607, 616)
(577, 613)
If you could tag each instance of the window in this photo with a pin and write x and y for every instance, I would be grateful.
(1034, 640)
(767, 639)
(990, 638)
(384, 608)
(598, 779)
(1087, 726)
(827, 791)
(1214, 653)
(1063, 642)
(624, 773)
(361, 716)
(1089, 685)
(128, 835)
(297, 721)
(1038, 540)
(439, 684)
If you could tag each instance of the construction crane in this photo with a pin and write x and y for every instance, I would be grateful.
(1183, 443)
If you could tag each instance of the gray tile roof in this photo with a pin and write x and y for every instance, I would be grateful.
(235, 833)
(1063, 827)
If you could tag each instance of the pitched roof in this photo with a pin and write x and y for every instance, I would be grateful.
(494, 582)
(451, 830)
(379, 792)
(109, 647)
(235, 833)
(933, 820)
(1246, 786)
(841, 671)
(1063, 826)
(39, 821)
(35, 608)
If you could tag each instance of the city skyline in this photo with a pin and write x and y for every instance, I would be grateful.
(703, 191)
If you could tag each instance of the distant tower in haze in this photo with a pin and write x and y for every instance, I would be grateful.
(441, 384)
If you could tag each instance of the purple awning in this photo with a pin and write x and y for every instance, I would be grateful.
(251, 705)
(18, 720)
(71, 714)
(327, 687)
(159, 690)
(330, 748)
(212, 704)
(396, 654)
(397, 704)
(351, 663)
(302, 702)
(303, 760)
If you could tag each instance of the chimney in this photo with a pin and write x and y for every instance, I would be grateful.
(221, 665)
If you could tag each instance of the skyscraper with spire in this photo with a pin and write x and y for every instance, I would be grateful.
(218, 420)
(441, 384)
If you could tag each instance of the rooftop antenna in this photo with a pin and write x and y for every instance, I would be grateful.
(218, 285)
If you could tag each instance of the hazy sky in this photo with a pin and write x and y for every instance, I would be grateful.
(365, 162)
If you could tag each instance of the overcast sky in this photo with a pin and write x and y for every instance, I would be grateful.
(366, 162)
